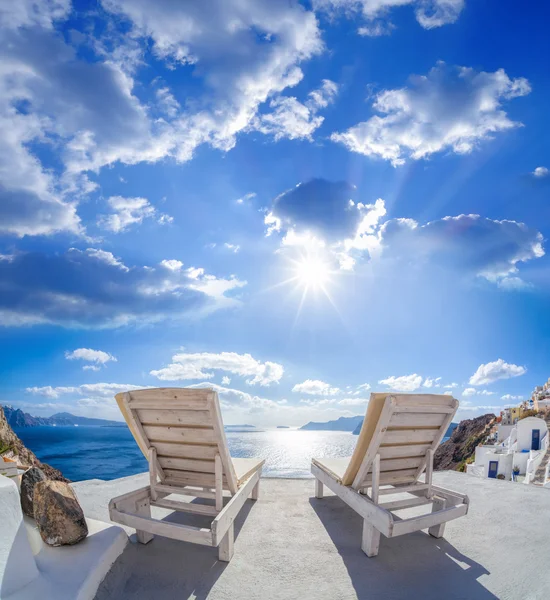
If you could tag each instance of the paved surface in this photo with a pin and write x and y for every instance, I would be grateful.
(291, 545)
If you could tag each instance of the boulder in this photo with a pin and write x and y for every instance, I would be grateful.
(58, 514)
(29, 479)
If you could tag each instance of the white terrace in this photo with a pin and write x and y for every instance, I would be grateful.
(289, 544)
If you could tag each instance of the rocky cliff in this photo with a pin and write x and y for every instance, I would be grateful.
(17, 418)
(461, 446)
(12, 447)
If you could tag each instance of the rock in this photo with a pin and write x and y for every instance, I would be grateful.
(460, 448)
(12, 447)
(58, 514)
(29, 479)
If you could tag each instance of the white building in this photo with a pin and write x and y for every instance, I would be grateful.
(520, 451)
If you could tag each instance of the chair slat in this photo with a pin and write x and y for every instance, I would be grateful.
(403, 451)
(186, 464)
(398, 436)
(179, 434)
(174, 417)
(417, 419)
(181, 450)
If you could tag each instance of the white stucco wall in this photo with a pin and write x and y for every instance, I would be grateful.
(486, 454)
(525, 428)
(17, 565)
(504, 432)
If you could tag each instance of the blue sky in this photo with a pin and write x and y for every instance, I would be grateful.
(297, 203)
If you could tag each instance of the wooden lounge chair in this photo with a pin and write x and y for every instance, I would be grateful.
(396, 445)
(181, 433)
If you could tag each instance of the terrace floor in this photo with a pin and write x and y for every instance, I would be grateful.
(291, 545)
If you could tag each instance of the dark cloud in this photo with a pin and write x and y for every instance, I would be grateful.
(93, 288)
(323, 207)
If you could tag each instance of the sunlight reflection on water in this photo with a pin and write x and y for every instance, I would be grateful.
(288, 452)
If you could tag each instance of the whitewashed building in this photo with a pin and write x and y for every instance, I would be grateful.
(520, 451)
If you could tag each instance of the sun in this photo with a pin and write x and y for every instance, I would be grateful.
(312, 272)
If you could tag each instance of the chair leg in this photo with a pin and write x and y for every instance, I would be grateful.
(143, 509)
(318, 488)
(255, 491)
(225, 550)
(437, 531)
(371, 539)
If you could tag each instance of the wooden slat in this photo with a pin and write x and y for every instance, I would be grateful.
(404, 436)
(390, 477)
(411, 420)
(191, 478)
(185, 491)
(187, 464)
(190, 507)
(404, 451)
(395, 464)
(179, 450)
(424, 409)
(404, 400)
(174, 417)
(175, 531)
(406, 503)
(435, 518)
(417, 487)
(167, 404)
(179, 434)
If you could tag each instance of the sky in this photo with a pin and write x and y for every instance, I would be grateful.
(296, 204)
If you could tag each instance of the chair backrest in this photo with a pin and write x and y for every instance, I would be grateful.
(185, 427)
(401, 428)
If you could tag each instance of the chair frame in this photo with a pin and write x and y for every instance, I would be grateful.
(134, 508)
(378, 517)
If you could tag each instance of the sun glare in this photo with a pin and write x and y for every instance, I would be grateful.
(312, 272)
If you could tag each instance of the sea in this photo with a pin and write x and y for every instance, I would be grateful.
(107, 453)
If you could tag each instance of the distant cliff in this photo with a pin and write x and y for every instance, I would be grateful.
(17, 418)
(341, 424)
(460, 448)
(12, 447)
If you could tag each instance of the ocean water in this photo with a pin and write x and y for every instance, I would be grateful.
(111, 452)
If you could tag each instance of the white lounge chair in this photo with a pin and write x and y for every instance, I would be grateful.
(181, 433)
(397, 442)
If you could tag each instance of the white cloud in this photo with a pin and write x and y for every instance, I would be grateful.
(128, 212)
(353, 401)
(510, 398)
(200, 366)
(493, 371)
(448, 393)
(448, 109)
(451, 386)
(103, 256)
(474, 392)
(315, 387)
(172, 264)
(405, 383)
(246, 198)
(167, 102)
(482, 247)
(430, 382)
(363, 387)
(541, 172)
(99, 357)
(91, 368)
(242, 64)
(28, 13)
(226, 380)
(429, 13)
(293, 119)
(232, 247)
